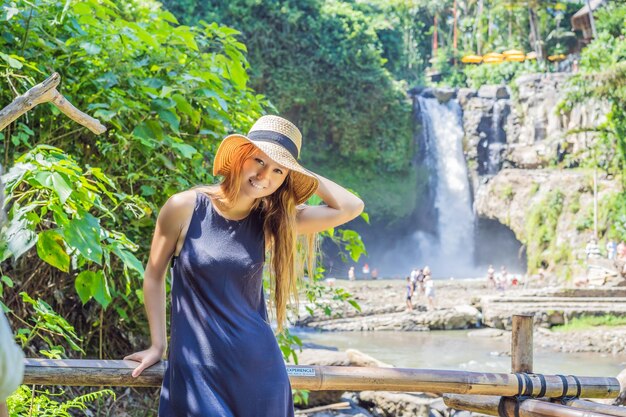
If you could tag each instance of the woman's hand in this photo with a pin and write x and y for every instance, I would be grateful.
(341, 207)
(146, 359)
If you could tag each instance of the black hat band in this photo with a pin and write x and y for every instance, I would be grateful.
(275, 137)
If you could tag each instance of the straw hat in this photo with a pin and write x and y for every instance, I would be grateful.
(279, 139)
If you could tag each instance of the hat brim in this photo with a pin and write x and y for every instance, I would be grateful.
(305, 182)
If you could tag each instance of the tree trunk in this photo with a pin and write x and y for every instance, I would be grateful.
(534, 32)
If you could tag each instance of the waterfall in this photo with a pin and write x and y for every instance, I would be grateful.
(451, 253)
(497, 143)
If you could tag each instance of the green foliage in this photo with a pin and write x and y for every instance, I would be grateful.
(541, 225)
(321, 64)
(52, 202)
(504, 73)
(508, 193)
(586, 322)
(602, 76)
(611, 19)
(403, 30)
(612, 216)
(166, 92)
(27, 402)
(44, 323)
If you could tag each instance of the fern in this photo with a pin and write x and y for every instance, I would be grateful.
(33, 403)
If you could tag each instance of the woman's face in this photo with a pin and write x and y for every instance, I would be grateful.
(260, 176)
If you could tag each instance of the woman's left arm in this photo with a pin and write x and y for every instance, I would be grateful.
(341, 207)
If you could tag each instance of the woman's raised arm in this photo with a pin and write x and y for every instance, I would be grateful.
(341, 207)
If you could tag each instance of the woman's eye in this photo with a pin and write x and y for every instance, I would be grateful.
(279, 171)
(260, 161)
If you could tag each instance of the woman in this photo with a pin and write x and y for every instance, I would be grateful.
(224, 360)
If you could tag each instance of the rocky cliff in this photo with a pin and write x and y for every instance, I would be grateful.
(515, 136)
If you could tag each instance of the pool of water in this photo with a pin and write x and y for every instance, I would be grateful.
(454, 350)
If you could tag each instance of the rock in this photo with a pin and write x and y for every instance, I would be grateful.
(485, 333)
(459, 317)
(512, 195)
(464, 94)
(428, 93)
(393, 404)
(323, 357)
(358, 358)
(493, 91)
(444, 94)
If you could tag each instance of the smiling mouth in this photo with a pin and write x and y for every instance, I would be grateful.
(258, 187)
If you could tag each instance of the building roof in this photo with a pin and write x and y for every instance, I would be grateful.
(595, 4)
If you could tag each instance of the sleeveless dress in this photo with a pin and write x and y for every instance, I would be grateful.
(223, 359)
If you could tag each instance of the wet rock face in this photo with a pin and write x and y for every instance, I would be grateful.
(485, 117)
(531, 127)
(510, 143)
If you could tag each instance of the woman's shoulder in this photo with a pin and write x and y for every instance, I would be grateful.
(182, 200)
(179, 206)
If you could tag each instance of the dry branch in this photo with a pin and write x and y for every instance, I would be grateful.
(46, 92)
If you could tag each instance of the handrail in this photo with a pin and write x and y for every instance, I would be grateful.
(318, 378)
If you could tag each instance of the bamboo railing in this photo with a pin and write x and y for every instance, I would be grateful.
(497, 394)
(325, 378)
(525, 404)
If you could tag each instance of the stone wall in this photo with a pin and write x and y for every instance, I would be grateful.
(514, 135)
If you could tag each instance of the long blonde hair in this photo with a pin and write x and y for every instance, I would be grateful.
(288, 255)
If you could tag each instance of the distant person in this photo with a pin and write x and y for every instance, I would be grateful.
(409, 294)
(621, 250)
(502, 279)
(351, 275)
(491, 276)
(375, 273)
(421, 273)
(592, 250)
(366, 270)
(11, 364)
(611, 249)
(429, 288)
(413, 278)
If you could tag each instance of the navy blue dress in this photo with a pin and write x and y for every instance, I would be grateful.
(223, 359)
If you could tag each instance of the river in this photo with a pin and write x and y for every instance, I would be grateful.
(454, 350)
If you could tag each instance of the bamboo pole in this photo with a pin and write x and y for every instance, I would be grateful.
(46, 92)
(597, 407)
(490, 405)
(336, 406)
(522, 343)
(325, 378)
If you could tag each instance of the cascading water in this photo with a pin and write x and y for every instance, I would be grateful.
(451, 253)
(447, 248)
(498, 140)
(449, 239)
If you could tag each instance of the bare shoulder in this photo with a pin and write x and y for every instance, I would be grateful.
(178, 207)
